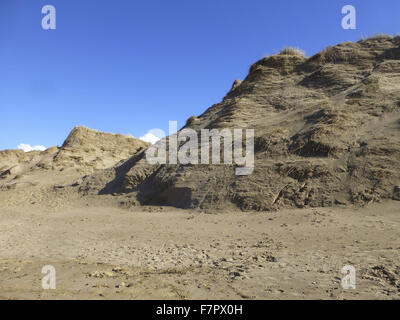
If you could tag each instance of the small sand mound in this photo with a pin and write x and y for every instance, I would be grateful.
(83, 152)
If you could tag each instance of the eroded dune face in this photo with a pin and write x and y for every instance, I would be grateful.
(84, 151)
(327, 131)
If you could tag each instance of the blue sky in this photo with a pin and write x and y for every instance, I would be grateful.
(129, 66)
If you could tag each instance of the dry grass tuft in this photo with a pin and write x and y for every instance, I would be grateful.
(191, 120)
(292, 51)
(378, 36)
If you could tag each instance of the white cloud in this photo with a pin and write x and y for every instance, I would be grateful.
(28, 147)
(149, 137)
(153, 136)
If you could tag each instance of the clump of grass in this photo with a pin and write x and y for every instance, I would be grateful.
(378, 36)
(293, 51)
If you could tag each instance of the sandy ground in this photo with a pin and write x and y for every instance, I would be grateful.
(166, 253)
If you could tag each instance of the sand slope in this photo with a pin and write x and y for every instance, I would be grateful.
(84, 151)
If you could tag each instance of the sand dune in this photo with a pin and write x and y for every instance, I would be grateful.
(324, 193)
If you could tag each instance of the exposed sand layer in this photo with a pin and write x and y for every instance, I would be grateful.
(164, 253)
